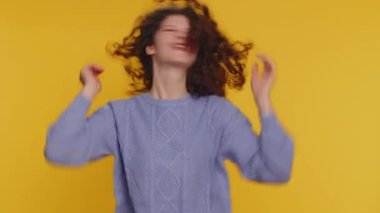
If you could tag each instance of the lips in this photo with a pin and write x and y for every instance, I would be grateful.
(180, 46)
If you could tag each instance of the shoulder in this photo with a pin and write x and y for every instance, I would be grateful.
(220, 111)
(221, 104)
(120, 105)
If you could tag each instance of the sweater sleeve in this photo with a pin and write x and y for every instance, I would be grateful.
(74, 138)
(267, 157)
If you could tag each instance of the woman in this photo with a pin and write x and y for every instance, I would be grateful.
(171, 140)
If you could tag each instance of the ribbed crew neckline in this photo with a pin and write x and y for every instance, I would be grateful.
(146, 96)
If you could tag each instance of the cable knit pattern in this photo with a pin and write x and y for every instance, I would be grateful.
(169, 151)
(169, 154)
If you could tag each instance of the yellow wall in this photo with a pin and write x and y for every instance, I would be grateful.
(326, 94)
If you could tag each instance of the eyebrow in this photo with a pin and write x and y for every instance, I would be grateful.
(169, 25)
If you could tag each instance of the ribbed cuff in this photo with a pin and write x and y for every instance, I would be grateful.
(268, 120)
(81, 104)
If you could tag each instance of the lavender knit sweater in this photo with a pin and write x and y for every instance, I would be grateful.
(169, 154)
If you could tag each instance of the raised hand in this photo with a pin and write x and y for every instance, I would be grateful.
(262, 84)
(90, 81)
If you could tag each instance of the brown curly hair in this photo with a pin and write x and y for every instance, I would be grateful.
(219, 61)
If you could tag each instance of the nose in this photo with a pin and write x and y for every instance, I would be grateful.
(182, 34)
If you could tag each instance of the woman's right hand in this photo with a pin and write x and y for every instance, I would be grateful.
(89, 79)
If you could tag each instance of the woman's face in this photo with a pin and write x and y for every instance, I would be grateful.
(170, 42)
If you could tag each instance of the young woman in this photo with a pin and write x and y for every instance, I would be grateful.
(171, 139)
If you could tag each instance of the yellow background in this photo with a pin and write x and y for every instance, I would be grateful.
(326, 94)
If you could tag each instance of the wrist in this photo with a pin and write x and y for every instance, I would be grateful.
(264, 106)
(89, 92)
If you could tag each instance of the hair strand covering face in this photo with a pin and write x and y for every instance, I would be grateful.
(219, 62)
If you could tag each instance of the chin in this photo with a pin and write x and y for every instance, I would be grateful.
(181, 63)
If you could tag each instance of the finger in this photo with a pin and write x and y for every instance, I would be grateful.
(96, 70)
(269, 66)
(255, 70)
(267, 61)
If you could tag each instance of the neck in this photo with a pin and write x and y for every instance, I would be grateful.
(169, 82)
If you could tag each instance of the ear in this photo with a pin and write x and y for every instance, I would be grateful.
(150, 50)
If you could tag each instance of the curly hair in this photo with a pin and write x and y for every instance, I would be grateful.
(219, 62)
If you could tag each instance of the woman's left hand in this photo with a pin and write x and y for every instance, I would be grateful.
(262, 84)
